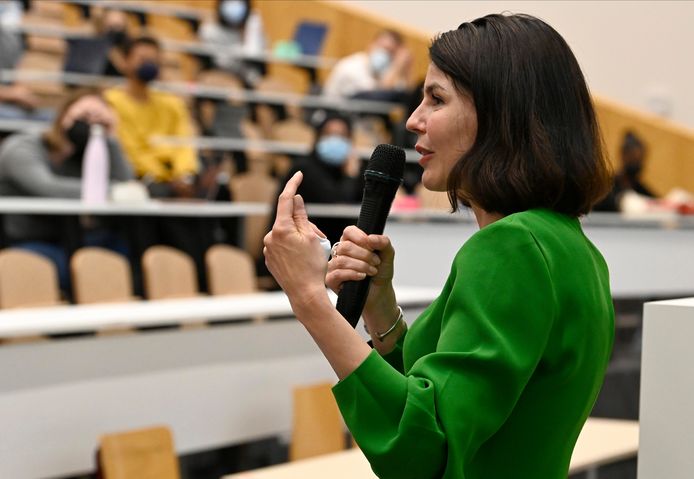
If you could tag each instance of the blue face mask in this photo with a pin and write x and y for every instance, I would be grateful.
(333, 149)
(233, 11)
(147, 71)
(379, 60)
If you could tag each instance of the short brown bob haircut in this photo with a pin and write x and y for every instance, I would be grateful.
(538, 143)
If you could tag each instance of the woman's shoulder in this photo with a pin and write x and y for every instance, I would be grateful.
(20, 142)
(537, 228)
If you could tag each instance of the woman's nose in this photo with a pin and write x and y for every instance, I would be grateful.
(415, 123)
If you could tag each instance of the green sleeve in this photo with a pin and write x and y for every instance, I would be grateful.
(496, 313)
(394, 358)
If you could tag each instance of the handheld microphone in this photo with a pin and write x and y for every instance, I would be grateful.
(382, 178)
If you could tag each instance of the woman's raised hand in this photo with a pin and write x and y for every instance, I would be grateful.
(292, 249)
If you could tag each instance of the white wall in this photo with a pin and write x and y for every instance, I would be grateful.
(640, 53)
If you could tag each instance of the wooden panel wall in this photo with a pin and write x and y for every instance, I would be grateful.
(670, 160)
(351, 29)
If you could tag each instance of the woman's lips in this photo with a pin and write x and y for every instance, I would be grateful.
(426, 154)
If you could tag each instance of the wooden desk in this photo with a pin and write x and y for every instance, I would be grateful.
(647, 257)
(75, 318)
(266, 146)
(602, 441)
(205, 91)
(188, 47)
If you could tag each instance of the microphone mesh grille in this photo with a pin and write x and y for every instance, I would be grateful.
(389, 160)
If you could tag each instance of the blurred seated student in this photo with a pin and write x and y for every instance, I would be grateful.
(170, 172)
(331, 173)
(628, 178)
(382, 72)
(49, 165)
(630, 194)
(11, 43)
(16, 100)
(113, 25)
(144, 113)
(236, 26)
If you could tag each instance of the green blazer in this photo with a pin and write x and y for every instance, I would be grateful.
(497, 376)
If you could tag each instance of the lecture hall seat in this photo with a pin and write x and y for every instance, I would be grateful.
(143, 454)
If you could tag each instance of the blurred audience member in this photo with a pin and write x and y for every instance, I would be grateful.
(19, 102)
(50, 165)
(331, 173)
(113, 25)
(382, 72)
(16, 100)
(628, 178)
(143, 114)
(11, 44)
(237, 29)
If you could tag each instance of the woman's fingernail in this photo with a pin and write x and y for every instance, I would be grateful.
(372, 270)
(375, 260)
(362, 275)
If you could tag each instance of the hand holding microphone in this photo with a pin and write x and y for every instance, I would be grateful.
(382, 178)
(293, 251)
(357, 256)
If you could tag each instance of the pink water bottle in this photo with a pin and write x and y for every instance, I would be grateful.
(95, 167)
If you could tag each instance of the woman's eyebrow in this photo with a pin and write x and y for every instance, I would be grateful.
(433, 86)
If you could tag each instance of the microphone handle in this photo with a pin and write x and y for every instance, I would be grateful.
(378, 197)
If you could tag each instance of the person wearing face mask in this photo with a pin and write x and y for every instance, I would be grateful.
(50, 165)
(237, 26)
(113, 26)
(628, 179)
(144, 113)
(382, 70)
(168, 171)
(331, 172)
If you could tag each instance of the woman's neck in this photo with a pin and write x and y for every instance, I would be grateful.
(485, 218)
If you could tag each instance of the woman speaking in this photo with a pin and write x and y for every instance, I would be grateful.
(498, 375)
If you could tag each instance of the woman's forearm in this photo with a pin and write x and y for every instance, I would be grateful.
(342, 346)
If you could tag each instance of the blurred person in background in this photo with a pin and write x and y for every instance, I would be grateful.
(50, 165)
(331, 172)
(16, 100)
(628, 178)
(144, 113)
(170, 172)
(113, 25)
(630, 194)
(382, 72)
(236, 27)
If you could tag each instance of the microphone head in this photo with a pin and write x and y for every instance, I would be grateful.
(387, 161)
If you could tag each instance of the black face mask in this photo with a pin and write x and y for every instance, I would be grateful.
(117, 37)
(632, 170)
(147, 72)
(78, 134)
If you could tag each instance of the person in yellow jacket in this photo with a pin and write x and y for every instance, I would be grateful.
(144, 113)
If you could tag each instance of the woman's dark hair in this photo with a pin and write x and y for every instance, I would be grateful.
(538, 143)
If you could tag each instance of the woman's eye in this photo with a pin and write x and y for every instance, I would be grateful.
(436, 100)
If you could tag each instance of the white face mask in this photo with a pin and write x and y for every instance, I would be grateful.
(333, 149)
(379, 59)
(233, 11)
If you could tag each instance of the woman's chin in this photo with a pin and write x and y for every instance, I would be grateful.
(433, 184)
